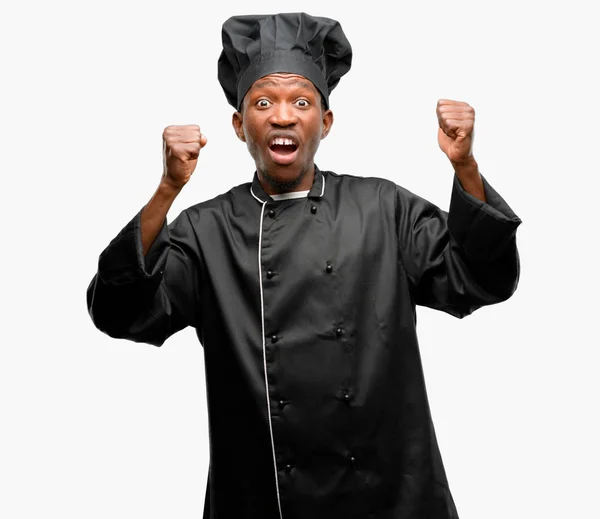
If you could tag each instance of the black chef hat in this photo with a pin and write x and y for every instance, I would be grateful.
(257, 45)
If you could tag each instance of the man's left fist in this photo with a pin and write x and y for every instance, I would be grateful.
(455, 134)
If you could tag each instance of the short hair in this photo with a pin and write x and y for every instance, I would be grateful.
(323, 104)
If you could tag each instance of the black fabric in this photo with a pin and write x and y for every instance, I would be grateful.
(257, 45)
(316, 394)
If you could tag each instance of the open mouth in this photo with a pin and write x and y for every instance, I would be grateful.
(283, 150)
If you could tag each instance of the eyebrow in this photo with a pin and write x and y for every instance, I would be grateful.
(270, 83)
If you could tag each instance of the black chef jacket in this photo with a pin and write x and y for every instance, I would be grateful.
(306, 311)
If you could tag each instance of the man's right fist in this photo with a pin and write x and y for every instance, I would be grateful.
(181, 147)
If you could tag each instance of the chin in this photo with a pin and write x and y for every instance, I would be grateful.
(284, 177)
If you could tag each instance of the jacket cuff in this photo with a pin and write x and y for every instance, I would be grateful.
(482, 229)
(123, 261)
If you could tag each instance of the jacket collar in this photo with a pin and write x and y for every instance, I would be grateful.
(317, 190)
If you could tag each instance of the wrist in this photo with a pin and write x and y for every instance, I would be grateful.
(469, 177)
(169, 189)
(468, 166)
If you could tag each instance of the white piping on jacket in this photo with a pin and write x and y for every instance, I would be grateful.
(261, 201)
(262, 319)
(264, 346)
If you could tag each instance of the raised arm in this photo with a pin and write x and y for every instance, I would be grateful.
(181, 148)
(142, 290)
(460, 260)
(456, 130)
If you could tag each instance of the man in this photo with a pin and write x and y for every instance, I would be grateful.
(302, 287)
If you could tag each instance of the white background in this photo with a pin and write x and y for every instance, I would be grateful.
(92, 427)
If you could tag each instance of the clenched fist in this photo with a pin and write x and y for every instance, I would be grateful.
(181, 148)
(455, 134)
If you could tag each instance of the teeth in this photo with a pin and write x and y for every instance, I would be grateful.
(280, 141)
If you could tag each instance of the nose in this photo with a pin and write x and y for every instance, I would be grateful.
(283, 114)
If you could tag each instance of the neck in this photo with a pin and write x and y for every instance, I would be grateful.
(276, 184)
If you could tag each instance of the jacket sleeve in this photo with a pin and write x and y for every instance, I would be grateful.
(460, 260)
(147, 299)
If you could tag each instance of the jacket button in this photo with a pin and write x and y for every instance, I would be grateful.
(282, 403)
(269, 274)
(313, 209)
(329, 268)
(271, 213)
(339, 332)
(347, 397)
(274, 339)
(288, 467)
(352, 459)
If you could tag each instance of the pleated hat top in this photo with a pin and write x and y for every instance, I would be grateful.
(298, 43)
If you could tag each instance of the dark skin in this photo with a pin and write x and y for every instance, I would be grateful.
(288, 106)
(283, 105)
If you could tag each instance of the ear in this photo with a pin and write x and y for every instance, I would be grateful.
(327, 123)
(237, 123)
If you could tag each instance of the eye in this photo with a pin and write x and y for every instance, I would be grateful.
(263, 103)
(302, 103)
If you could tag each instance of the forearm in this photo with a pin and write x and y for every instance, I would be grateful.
(470, 178)
(154, 213)
(125, 299)
(463, 259)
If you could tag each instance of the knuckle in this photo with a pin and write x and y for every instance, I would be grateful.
(176, 149)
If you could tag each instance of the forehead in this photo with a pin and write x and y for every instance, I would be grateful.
(283, 80)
